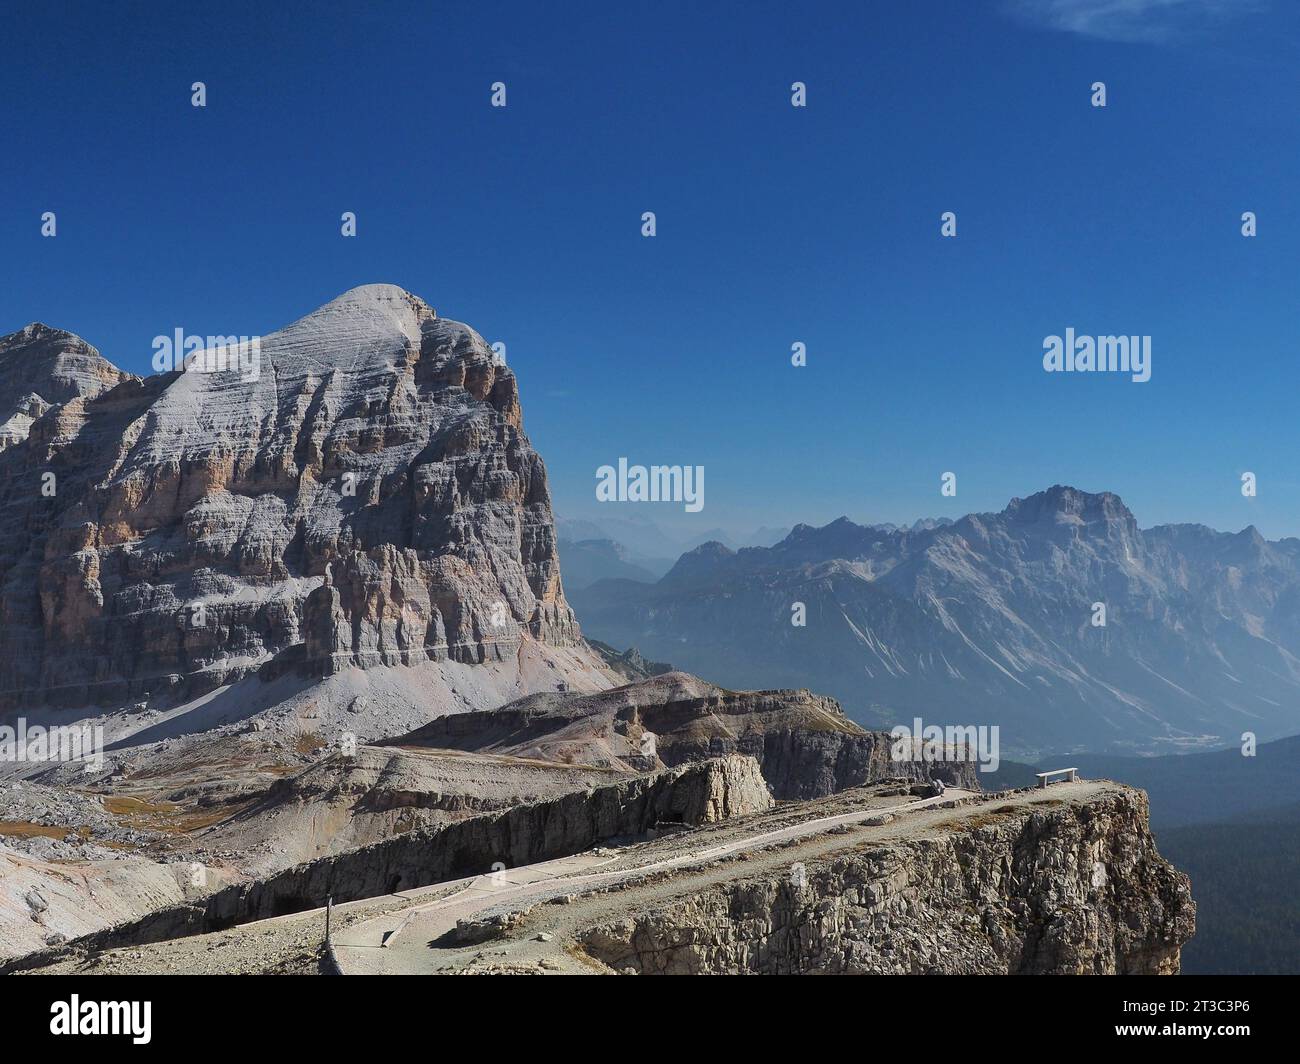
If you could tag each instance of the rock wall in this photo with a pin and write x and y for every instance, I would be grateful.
(1075, 890)
(690, 795)
(800, 763)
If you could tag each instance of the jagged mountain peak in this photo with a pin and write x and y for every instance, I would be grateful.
(839, 530)
(43, 367)
(35, 331)
(36, 340)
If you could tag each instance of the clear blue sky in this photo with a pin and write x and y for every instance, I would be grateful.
(776, 224)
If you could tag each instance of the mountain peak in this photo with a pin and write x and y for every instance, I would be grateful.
(376, 295)
(1061, 500)
(712, 548)
(700, 564)
(37, 332)
(40, 362)
(373, 307)
(1251, 538)
(371, 394)
(32, 330)
(358, 330)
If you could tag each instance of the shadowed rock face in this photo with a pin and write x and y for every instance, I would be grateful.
(370, 498)
(805, 744)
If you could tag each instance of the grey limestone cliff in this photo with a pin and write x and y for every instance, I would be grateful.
(363, 495)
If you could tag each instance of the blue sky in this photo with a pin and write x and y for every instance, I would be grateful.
(775, 225)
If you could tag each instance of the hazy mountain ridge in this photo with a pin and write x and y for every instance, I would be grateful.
(617, 546)
(589, 560)
(988, 619)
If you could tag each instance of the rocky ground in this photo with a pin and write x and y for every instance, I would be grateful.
(189, 800)
(1066, 881)
(877, 879)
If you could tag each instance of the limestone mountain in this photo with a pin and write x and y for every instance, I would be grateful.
(366, 497)
(989, 620)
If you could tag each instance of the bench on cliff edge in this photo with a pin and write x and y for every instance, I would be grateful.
(1070, 774)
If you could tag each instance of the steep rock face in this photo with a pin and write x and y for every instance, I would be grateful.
(366, 497)
(805, 744)
(989, 620)
(1072, 891)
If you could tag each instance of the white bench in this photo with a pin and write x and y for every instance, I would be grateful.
(1070, 774)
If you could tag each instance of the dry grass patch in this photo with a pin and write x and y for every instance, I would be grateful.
(309, 744)
(25, 829)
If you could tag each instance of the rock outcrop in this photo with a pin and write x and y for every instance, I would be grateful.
(628, 663)
(805, 744)
(363, 495)
(1074, 890)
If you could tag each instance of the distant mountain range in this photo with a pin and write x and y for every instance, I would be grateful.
(990, 620)
(636, 548)
(589, 560)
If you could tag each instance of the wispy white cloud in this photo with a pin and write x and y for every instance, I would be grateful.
(1155, 21)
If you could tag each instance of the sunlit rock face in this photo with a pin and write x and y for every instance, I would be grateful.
(364, 496)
